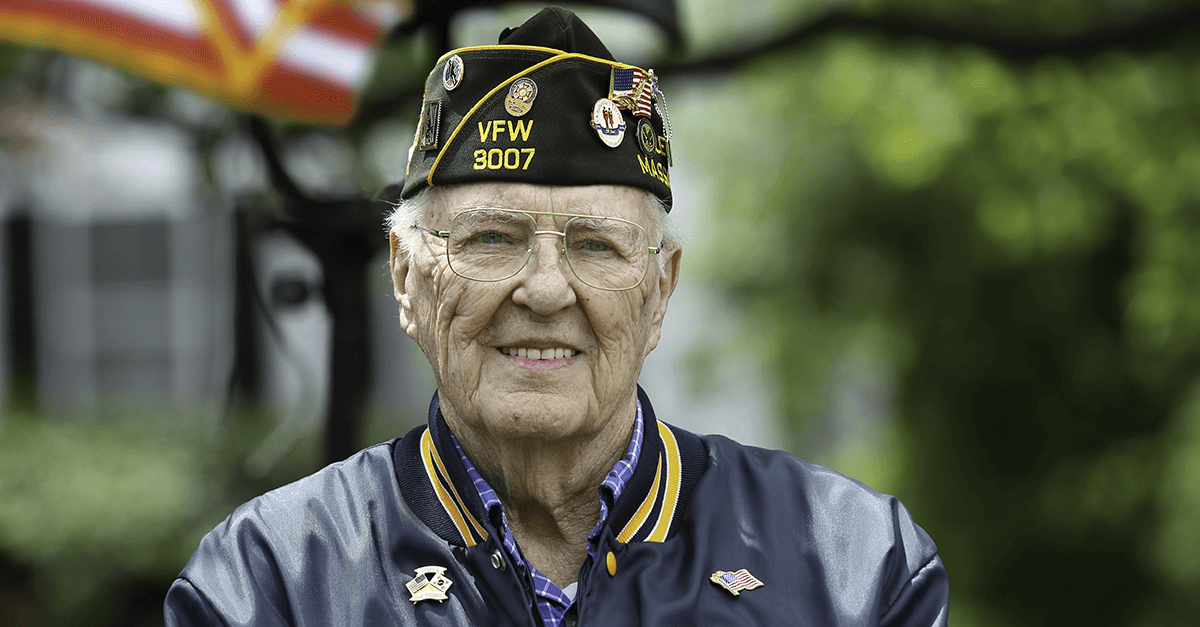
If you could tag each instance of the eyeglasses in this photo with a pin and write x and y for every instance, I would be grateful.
(496, 244)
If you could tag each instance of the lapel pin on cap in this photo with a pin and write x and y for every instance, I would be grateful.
(452, 75)
(608, 122)
(520, 96)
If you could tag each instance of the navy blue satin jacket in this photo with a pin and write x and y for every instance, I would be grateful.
(339, 546)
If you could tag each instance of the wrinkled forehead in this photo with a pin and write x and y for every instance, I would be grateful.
(616, 201)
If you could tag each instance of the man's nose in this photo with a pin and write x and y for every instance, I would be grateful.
(545, 282)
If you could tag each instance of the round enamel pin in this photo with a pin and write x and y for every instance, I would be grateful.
(520, 96)
(607, 120)
(452, 74)
(646, 136)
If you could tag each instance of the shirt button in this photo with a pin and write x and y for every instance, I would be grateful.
(498, 560)
(611, 561)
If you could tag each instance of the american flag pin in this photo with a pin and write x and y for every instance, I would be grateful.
(735, 581)
(631, 88)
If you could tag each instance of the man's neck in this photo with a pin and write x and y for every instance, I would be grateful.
(548, 489)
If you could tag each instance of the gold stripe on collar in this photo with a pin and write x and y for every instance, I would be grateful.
(674, 479)
(643, 512)
(430, 457)
(462, 505)
(673, 473)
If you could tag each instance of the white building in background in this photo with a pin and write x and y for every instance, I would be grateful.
(133, 271)
(131, 265)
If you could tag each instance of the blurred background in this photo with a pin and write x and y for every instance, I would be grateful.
(951, 249)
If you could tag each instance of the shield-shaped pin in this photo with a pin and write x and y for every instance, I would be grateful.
(430, 584)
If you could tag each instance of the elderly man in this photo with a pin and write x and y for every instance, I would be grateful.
(532, 262)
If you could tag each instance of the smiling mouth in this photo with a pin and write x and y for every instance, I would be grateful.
(544, 354)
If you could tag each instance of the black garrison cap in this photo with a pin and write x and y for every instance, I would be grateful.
(547, 105)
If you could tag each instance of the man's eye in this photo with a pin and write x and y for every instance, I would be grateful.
(490, 237)
(596, 246)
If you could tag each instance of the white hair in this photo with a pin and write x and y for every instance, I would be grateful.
(407, 212)
(410, 211)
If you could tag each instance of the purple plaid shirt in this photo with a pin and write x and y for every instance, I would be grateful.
(552, 603)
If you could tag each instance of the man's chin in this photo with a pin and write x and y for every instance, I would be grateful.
(543, 414)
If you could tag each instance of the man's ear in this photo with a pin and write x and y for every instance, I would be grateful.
(398, 263)
(667, 280)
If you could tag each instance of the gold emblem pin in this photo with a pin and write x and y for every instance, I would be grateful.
(520, 97)
(430, 584)
(736, 581)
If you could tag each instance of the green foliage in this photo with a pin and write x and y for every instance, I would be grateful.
(103, 516)
(1059, 17)
(10, 57)
(1016, 243)
(1177, 547)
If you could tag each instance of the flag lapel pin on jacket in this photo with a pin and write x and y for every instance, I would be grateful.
(430, 584)
(735, 582)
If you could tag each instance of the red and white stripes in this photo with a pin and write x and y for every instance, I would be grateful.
(301, 59)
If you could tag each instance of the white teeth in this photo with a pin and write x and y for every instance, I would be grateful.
(539, 353)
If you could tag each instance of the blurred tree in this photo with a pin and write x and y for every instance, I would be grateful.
(1013, 237)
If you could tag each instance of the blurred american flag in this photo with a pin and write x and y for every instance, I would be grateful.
(299, 59)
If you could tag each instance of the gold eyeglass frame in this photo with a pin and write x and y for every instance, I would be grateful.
(445, 235)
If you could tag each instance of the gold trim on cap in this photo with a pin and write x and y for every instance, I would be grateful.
(554, 51)
(561, 56)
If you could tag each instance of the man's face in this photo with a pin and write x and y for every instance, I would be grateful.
(471, 330)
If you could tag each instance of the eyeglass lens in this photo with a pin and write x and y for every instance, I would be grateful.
(492, 245)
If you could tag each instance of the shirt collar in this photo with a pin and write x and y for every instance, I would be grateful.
(551, 601)
(608, 491)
